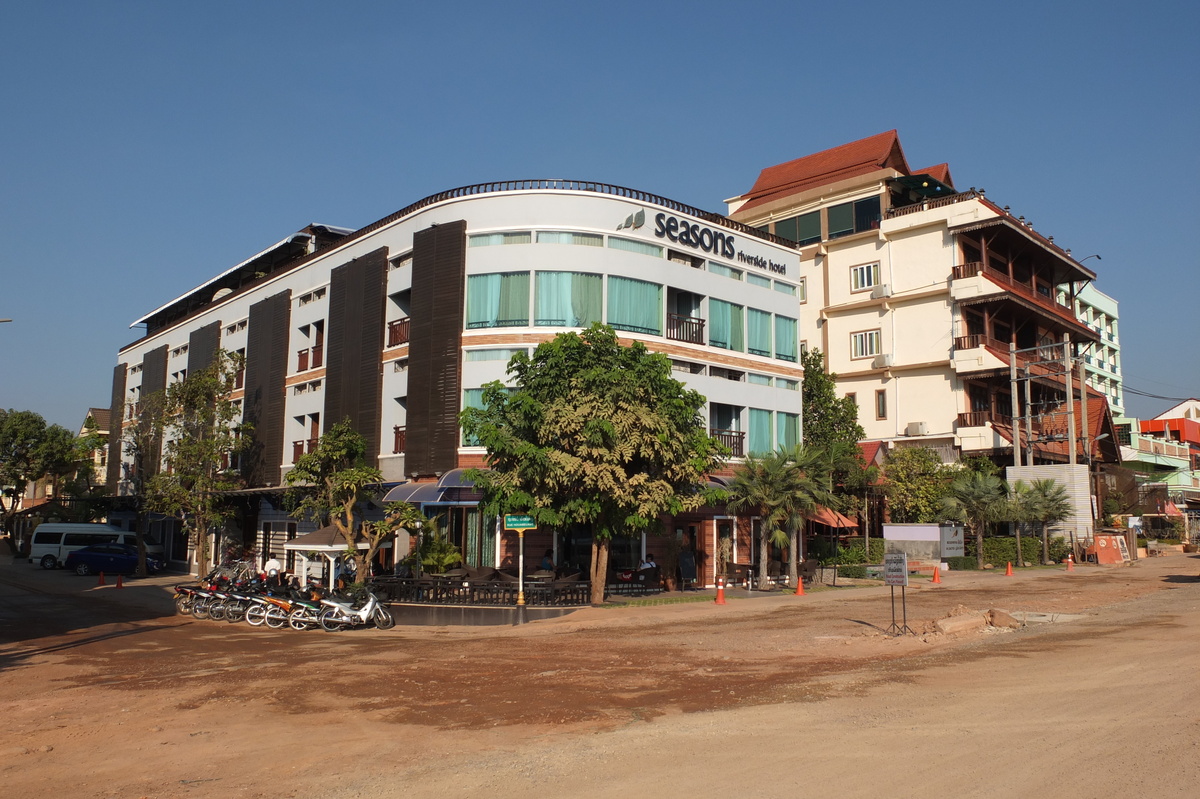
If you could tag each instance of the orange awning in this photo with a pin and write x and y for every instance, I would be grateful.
(832, 518)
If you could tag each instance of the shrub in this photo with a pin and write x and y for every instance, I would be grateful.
(1003, 549)
(962, 564)
(854, 572)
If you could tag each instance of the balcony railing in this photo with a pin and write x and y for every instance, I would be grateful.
(685, 328)
(302, 447)
(981, 418)
(310, 358)
(399, 439)
(398, 332)
(734, 439)
(974, 268)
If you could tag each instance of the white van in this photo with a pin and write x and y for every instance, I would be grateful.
(53, 540)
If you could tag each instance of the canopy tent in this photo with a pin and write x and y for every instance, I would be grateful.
(328, 542)
(831, 518)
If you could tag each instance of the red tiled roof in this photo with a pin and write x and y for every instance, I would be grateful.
(871, 451)
(939, 172)
(838, 163)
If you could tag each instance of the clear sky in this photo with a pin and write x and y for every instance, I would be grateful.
(147, 146)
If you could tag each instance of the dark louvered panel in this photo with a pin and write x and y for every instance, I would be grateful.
(354, 347)
(154, 380)
(116, 416)
(266, 368)
(434, 360)
(202, 346)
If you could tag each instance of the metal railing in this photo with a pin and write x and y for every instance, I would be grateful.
(398, 331)
(458, 591)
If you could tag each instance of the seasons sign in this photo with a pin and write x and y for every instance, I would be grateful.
(717, 242)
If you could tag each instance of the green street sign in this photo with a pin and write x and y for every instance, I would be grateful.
(519, 521)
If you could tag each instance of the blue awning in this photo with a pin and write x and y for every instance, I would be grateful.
(415, 493)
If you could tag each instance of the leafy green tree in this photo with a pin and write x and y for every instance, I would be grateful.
(29, 451)
(785, 487)
(1043, 502)
(915, 480)
(827, 418)
(977, 499)
(592, 432)
(197, 422)
(331, 482)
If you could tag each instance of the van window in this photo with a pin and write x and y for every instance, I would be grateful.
(46, 538)
(86, 539)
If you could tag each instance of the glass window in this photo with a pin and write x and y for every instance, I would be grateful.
(761, 435)
(787, 288)
(555, 237)
(790, 385)
(496, 354)
(758, 280)
(635, 305)
(785, 338)
(630, 245)
(759, 380)
(567, 299)
(787, 429)
(724, 271)
(499, 300)
(866, 214)
(881, 404)
(725, 325)
(864, 277)
(841, 220)
(803, 229)
(759, 329)
(854, 217)
(864, 344)
(490, 239)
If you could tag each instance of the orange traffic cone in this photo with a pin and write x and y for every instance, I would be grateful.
(937, 574)
(1008, 571)
(101, 582)
(119, 585)
(720, 590)
(1070, 562)
(799, 586)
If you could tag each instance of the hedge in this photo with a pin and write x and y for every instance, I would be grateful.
(1002, 550)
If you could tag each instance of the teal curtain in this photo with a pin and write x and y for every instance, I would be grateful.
(635, 305)
(761, 435)
(567, 299)
(759, 325)
(726, 327)
(785, 338)
(787, 433)
(500, 300)
(472, 398)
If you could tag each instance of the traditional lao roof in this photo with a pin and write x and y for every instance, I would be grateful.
(101, 416)
(857, 158)
(872, 452)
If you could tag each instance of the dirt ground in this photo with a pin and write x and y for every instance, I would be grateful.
(107, 693)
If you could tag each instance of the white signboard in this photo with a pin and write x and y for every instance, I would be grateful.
(895, 569)
(953, 541)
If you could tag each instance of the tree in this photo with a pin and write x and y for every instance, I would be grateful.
(977, 499)
(29, 450)
(915, 480)
(330, 482)
(198, 425)
(1043, 502)
(827, 418)
(596, 433)
(785, 487)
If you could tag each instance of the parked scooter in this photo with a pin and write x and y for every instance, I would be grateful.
(341, 614)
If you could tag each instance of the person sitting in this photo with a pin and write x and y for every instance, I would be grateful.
(548, 561)
(648, 563)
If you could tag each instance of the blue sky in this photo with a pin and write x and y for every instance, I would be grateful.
(145, 147)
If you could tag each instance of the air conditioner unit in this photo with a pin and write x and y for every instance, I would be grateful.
(884, 361)
(917, 429)
(881, 291)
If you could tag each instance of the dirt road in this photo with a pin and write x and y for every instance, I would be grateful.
(107, 694)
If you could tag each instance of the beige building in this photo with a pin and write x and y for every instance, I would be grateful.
(914, 291)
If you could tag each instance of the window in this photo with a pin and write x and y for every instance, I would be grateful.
(864, 277)
(500, 300)
(787, 429)
(759, 329)
(759, 380)
(567, 299)
(584, 239)
(497, 354)
(854, 217)
(725, 325)
(852, 397)
(472, 398)
(235, 327)
(724, 271)
(758, 280)
(635, 305)
(687, 367)
(492, 239)
(630, 245)
(864, 344)
(761, 435)
(312, 296)
(788, 288)
(400, 261)
(785, 338)
(803, 229)
(881, 404)
(790, 385)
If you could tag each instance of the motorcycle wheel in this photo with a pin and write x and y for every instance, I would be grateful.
(329, 620)
(216, 610)
(276, 617)
(234, 612)
(200, 608)
(256, 615)
(383, 618)
(298, 619)
(183, 604)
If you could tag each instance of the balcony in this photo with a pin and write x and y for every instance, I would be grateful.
(734, 439)
(1023, 290)
(310, 358)
(302, 447)
(981, 418)
(398, 331)
(685, 328)
(399, 439)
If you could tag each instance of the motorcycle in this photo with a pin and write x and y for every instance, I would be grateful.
(339, 614)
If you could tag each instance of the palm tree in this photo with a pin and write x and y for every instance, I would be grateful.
(977, 498)
(1048, 502)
